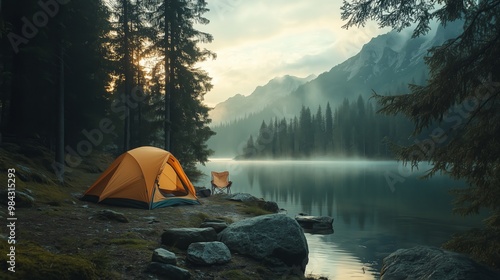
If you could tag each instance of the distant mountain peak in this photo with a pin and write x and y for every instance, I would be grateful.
(395, 51)
(386, 65)
(238, 105)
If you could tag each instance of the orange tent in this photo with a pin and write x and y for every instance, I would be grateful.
(145, 177)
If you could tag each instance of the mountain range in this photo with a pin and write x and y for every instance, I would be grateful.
(239, 105)
(386, 65)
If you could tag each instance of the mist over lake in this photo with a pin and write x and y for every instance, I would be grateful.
(377, 206)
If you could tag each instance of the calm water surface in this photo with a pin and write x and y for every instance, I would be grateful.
(377, 206)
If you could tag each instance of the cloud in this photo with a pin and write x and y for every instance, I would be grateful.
(258, 40)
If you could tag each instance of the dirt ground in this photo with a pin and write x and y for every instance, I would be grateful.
(61, 235)
(125, 249)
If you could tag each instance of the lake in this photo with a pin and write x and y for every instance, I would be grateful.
(377, 206)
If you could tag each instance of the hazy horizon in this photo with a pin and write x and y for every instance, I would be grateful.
(256, 41)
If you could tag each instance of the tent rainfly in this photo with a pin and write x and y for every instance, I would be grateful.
(145, 177)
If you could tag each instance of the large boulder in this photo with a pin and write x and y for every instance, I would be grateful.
(164, 256)
(182, 237)
(275, 239)
(208, 253)
(434, 264)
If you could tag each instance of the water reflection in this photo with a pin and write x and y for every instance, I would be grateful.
(377, 206)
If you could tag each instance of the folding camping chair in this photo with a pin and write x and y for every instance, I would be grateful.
(220, 182)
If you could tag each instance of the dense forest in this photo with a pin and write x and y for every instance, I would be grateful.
(354, 129)
(80, 76)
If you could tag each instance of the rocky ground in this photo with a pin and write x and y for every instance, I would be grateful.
(60, 236)
(125, 249)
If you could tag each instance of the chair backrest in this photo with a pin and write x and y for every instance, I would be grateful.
(220, 179)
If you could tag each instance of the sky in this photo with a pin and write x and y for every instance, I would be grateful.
(258, 40)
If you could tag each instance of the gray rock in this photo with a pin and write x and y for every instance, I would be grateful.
(269, 206)
(151, 220)
(434, 264)
(111, 215)
(315, 224)
(164, 256)
(218, 226)
(182, 237)
(208, 253)
(243, 197)
(277, 240)
(168, 271)
(249, 199)
(203, 192)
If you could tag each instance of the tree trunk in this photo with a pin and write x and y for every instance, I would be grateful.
(60, 119)
(126, 61)
(168, 73)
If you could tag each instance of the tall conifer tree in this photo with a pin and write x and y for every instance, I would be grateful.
(186, 117)
(461, 98)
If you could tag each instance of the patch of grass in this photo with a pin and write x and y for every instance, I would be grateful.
(100, 259)
(33, 175)
(194, 220)
(71, 243)
(225, 219)
(132, 241)
(34, 262)
(253, 209)
(235, 275)
(91, 242)
(129, 242)
(199, 217)
(49, 194)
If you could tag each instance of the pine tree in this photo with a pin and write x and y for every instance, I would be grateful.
(186, 117)
(460, 100)
(360, 125)
(127, 71)
(306, 132)
(62, 60)
(319, 132)
(127, 42)
(263, 140)
(284, 139)
(328, 129)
